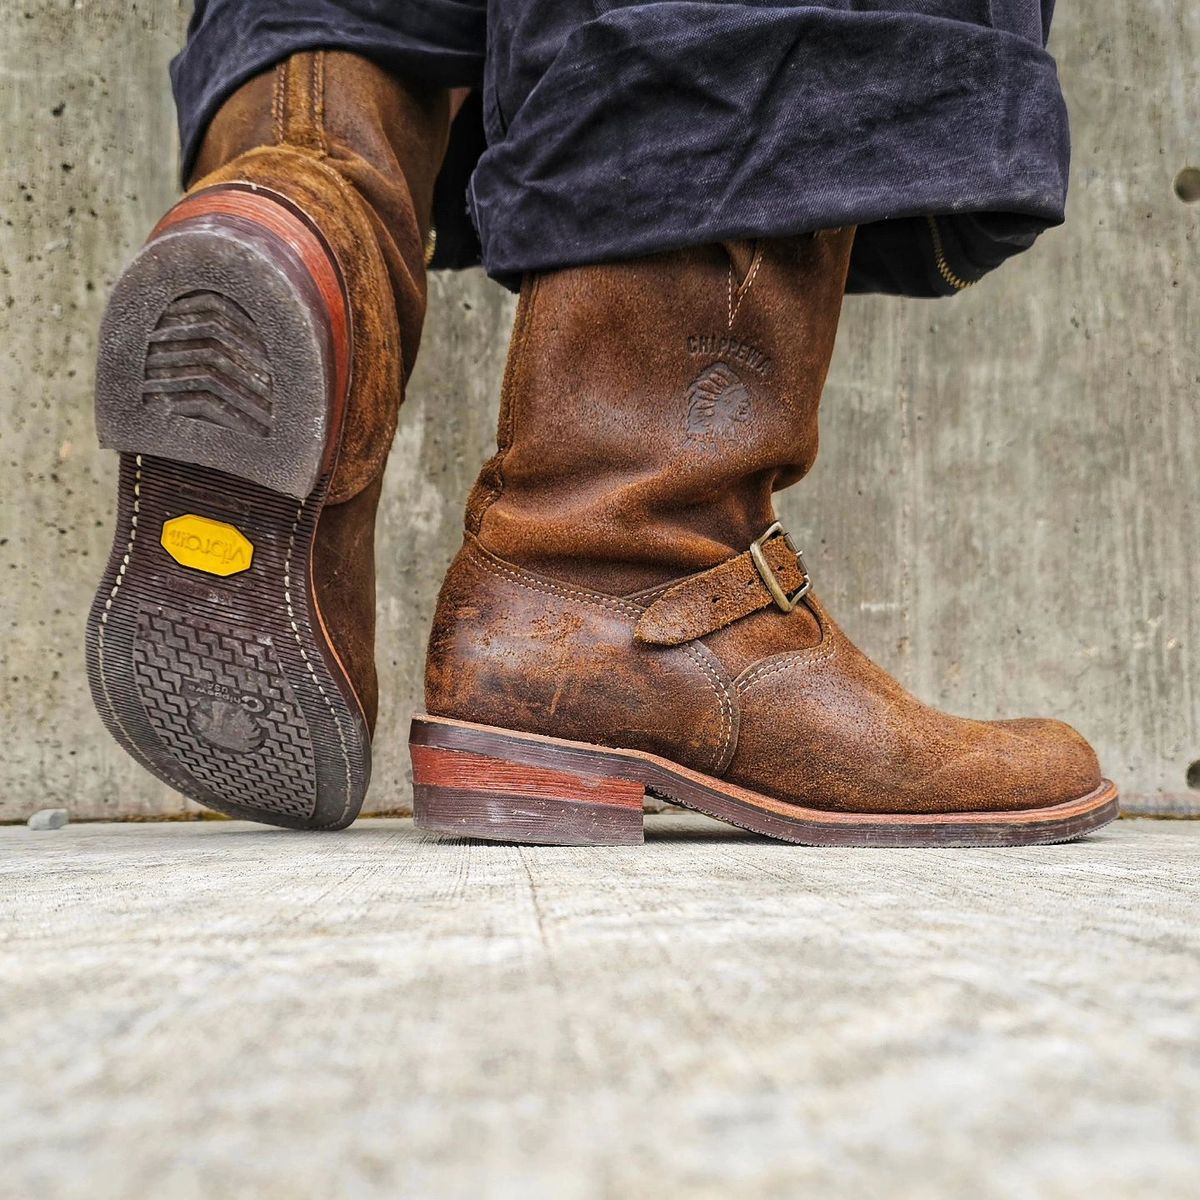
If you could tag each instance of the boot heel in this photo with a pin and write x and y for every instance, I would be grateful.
(504, 795)
(225, 343)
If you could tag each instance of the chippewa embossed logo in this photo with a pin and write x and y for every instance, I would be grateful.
(223, 718)
(717, 401)
(729, 348)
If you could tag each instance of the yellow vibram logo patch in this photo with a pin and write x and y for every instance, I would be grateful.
(207, 545)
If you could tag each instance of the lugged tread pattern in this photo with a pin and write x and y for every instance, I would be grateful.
(217, 698)
(206, 360)
(178, 659)
(217, 349)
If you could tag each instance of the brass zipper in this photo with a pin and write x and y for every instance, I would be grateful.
(939, 256)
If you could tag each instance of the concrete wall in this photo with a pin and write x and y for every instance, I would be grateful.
(1005, 512)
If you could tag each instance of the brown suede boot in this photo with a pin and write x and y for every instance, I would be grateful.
(252, 361)
(627, 615)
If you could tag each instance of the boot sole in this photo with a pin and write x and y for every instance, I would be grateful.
(478, 781)
(221, 381)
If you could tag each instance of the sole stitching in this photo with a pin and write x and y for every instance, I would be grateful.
(663, 794)
(287, 596)
(103, 624)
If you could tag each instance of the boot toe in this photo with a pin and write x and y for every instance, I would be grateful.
(1060, 764)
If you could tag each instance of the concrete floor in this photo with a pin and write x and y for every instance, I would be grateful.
(219, 1010)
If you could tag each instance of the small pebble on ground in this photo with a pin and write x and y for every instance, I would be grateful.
(48, 818)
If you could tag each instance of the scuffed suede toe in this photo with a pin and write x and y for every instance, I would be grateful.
(1061, 763)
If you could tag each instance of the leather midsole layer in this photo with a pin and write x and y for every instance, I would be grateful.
(589, 764)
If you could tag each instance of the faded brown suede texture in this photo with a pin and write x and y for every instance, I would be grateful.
(650, 410)
(358, 152)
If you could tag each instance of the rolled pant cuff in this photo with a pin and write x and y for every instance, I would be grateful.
(231, 41)
(648, 133)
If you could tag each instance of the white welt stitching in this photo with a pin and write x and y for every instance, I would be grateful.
(549, 587)
(803, 658)
(133, 528)
(287, 596)
(722, 692)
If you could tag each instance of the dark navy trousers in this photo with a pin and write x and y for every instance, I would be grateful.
(606, 129)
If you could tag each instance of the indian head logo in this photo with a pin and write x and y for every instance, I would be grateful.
(717, 401)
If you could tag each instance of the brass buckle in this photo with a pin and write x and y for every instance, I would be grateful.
(785, 602)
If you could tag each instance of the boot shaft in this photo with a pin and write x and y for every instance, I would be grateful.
(386, 138)
(358, 150)
(650, 409)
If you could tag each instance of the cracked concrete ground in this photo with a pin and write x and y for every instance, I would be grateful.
(220, 1010)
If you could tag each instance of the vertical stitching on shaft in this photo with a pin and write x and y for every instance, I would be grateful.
(317, 86)
(744, 288)
(514, 374)
(298, 103)
(281, 73)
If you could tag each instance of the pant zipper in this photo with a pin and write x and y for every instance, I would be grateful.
(957, 282)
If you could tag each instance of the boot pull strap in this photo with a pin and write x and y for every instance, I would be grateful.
(772, 571)
(299, 102)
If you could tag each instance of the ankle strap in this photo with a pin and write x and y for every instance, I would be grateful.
(772, 571)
